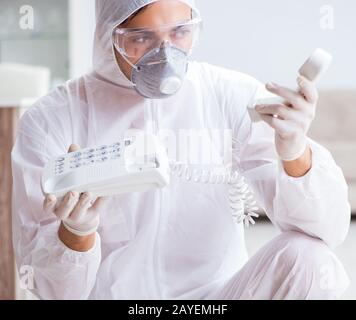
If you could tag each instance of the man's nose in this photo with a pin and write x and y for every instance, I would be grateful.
(164, 39)
(165, 43)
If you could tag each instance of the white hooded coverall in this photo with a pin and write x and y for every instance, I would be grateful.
(179, 242)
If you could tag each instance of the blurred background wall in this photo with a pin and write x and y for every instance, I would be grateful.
(270, 39)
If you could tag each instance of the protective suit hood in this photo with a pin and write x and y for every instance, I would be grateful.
(109, 14)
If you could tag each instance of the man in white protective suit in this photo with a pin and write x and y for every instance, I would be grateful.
(181, 241)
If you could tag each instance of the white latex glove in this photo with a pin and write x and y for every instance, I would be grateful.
(78, 212)
(294, 117)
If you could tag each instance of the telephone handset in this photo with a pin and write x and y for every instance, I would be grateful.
(313, 69)
(128, 166)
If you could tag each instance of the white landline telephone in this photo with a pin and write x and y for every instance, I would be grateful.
(313, 69)
(119, 168)
(108, 170)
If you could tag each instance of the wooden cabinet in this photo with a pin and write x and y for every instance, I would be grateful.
(8, 120)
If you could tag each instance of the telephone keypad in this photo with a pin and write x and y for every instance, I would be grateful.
(90, 156)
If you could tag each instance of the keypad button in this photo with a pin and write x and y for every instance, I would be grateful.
(75, 166)
(116, 145)
(77, 155)
(103, 159)
(89, 152)
(102, 148)
(88, 162)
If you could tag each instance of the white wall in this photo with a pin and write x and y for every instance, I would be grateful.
(270, 39)
(81, 26)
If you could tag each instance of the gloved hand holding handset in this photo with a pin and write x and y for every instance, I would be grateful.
(290, 112)
(313, 69)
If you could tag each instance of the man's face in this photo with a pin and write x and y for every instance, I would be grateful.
(153, 16)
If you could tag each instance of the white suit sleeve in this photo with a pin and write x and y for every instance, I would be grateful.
(58, 272)
(316, 204)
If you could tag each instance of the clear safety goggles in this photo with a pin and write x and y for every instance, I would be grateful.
(135, 43)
